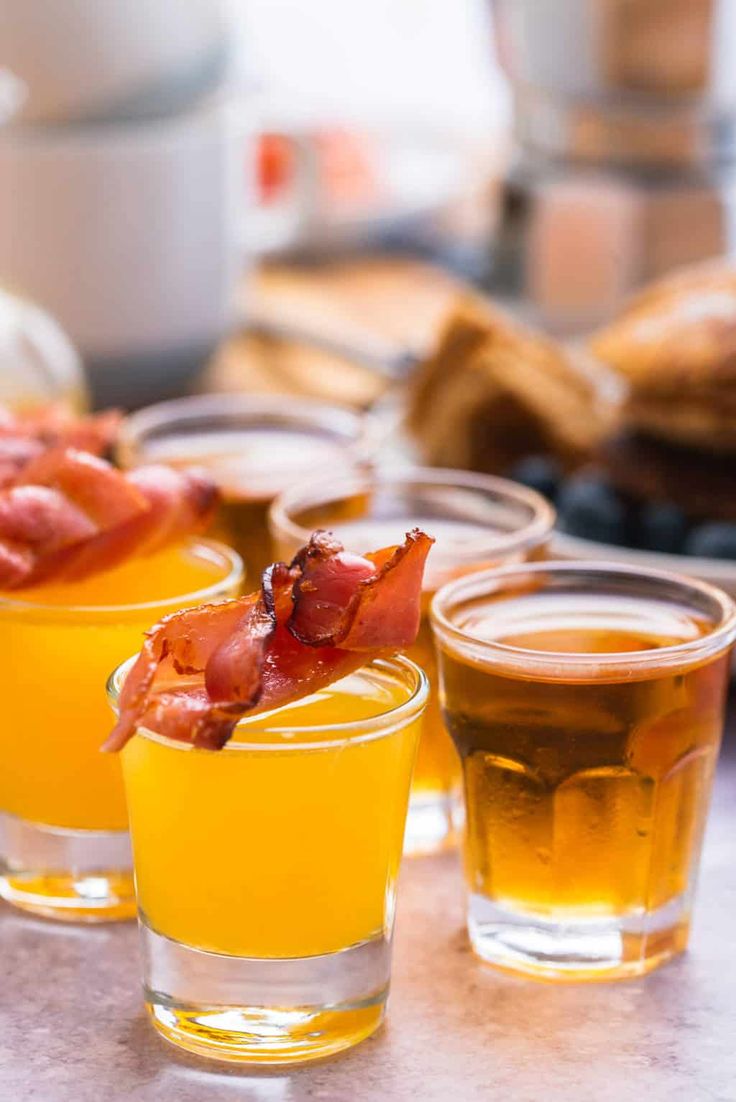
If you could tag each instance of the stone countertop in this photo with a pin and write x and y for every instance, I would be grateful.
(72, 1027)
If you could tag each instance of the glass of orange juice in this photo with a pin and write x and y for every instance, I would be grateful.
(477, 520)
(64, 846)
(266, 871)
(252, 447)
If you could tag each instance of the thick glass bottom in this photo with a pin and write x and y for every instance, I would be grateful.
(260, 1011)
(431, 823)
(577, 949)
(70, 875)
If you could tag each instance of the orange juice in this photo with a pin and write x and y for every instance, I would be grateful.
(285, 844)
(60, 642)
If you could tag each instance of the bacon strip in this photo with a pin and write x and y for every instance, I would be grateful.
(16, 452)
(56, 427)
(102, 491)
(24, 437)
(16, 563)
(335, 598)
(177, 501)
(71, 514)
(38, 516)
(311, 623)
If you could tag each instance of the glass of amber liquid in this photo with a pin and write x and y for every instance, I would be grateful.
(586, 702)
(64, 846)
(476, 520)
(253, 447)
(266, 916)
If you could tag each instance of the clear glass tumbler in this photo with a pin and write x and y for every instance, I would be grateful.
(253, 447)
(64, 846)
(586, 702)
(266, 871)
(477, 520)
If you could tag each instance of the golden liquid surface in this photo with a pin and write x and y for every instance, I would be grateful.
(277, 849)
(52, 678)
(584, 798)
(252, 467)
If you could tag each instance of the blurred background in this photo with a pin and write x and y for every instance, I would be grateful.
(252, 194)
(434, 212)
(166, 164)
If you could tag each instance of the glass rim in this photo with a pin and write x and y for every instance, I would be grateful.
(490, 652)
(313, 492)
(354, 731)
(234, 577)
(357, 427)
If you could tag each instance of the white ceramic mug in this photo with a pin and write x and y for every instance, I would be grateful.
(129, 236)
(84, 60)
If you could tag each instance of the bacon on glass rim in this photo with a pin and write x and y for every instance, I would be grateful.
(69, 514)
(311, 623)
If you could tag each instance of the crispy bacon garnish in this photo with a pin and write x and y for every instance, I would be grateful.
(90, 483)
(178, 501)
(71, 514)
(335, 596)
(16, 563)
(25, 436)
(310, 624)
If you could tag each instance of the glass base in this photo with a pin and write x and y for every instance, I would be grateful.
(431, 824)
(576, 950)
(264, 1011)
(71, 875)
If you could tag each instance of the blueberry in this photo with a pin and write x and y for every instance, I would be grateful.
(662, 527)
(588, 507)
(539, 472)
(713, 540)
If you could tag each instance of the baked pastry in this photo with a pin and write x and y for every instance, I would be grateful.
(494, 391)
(385, 304)
(675, 345)
(340, 331)
(265, 363)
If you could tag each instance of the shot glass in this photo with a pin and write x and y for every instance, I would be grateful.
(477, 520)
(586, 702)
(64, 846)
(253, 447)
(266, 871)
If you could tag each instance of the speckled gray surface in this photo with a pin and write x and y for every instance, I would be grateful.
(72, 1027)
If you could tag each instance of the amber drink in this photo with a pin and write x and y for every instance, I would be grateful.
(586, 703)
(253, 448)
(477, 521)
